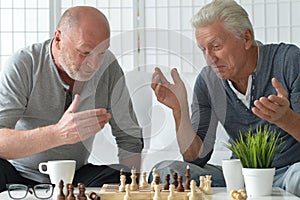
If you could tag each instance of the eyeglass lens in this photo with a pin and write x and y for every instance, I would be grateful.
(17, 191)
(41, 191)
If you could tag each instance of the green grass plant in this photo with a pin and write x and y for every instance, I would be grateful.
(256, 149)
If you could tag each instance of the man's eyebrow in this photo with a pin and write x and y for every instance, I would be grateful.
(209, 42)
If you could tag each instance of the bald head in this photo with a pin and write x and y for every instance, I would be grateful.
(84, 18)
(80, 40)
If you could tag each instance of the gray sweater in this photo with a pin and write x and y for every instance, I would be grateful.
(214, 101)
(33, 95)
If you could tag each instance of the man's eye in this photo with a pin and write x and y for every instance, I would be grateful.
(217, 47)
(85, 54)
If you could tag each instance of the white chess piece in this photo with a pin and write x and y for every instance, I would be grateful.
(157, 195)
(193, 195)
(133, 186)
(144, 183)
(154, 174)
(122, 183)
(207, 188)
(127, 196)
(202, 182)
(172, 192)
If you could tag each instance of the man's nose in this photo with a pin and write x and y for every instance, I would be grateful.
(210, 58)
(94, 61)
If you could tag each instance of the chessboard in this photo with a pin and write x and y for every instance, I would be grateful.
(111, 192)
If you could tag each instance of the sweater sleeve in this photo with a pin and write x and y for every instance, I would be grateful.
(124, 123)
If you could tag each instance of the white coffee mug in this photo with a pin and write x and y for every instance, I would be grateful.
(232, 171)
(59, 170)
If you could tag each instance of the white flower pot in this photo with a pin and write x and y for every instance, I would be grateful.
(258, 181)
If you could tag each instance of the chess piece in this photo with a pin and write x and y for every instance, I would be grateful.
(122, 172)
(157, 195)
(188, 178)
(61, 195)
(193, 195)
(93, 196)
(154, 174)
(156, 182)
(81, 195)
(127, 196)
(144, 183)
(175, 178)
(243, 193)
(122, 183)
(180, 187)
(238, 195)
(133, 186)
(202, 182)
(172, 192)
(166, 186)
(70, 195)
(207, 186)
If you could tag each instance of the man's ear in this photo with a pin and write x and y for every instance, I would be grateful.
(57, 38)
(248, 38)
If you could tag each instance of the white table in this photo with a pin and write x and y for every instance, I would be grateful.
(218, 194)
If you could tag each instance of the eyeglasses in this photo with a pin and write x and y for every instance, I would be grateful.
(20, 191)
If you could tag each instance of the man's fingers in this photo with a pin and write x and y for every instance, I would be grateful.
(160, 78)
(88, 114)
(74, 105)
(175, 76)
(281, 92)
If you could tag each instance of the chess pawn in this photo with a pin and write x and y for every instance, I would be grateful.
(61, 195)
(180, 187)
(202, 182)
(122, 183)
(175, 177)
(193, 195)
(157, 195)
(172, 192)
(127, 196)
(133, 186)
(70, 195)
(144, 183)
(81, 195)
(166, 186)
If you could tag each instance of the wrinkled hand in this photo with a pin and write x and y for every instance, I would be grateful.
(74, 127)
(171, 95)
(274, 108)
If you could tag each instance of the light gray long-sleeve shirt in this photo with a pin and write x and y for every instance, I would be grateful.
(33, 95)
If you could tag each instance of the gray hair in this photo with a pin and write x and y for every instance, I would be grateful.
(233, 16)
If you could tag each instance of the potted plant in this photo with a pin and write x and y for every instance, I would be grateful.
(256, 151)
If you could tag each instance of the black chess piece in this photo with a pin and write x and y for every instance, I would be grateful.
(175, 182)
(188, 179)
(81, 195)
(156, 181)
(166, 186)
(180, 187)
(61, 195)
(70, 195)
